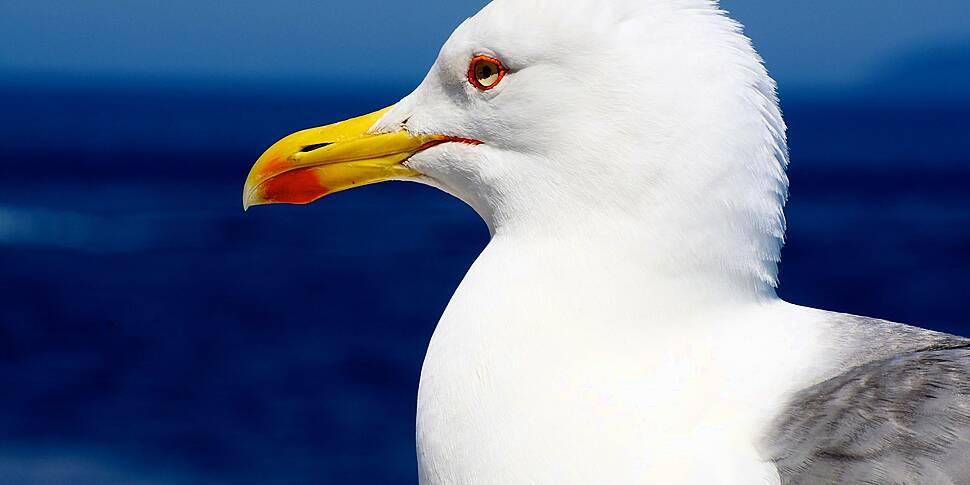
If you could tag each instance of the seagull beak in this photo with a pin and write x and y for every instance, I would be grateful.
(311, 164)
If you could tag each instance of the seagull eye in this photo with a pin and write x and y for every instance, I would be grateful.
(486, 72)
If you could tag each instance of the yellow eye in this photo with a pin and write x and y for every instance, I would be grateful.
(486, 72)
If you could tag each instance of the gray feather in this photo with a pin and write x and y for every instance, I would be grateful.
(902, 418)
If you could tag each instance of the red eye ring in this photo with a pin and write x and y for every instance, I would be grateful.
(486, 72)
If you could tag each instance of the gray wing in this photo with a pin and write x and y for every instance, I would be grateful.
(903, 420)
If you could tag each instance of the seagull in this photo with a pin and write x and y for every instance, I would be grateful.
(622, 325)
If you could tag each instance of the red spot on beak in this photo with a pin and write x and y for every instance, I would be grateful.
(300, 186)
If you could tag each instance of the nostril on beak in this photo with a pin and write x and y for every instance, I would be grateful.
(310, 148)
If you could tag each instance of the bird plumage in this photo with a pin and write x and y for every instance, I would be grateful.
(622, 326)
(902, 417)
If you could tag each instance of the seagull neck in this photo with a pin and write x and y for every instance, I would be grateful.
(612, 267)
(721, 240)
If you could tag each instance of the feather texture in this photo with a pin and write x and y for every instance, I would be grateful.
(900, 419)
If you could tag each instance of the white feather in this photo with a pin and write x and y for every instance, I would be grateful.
(622, 325)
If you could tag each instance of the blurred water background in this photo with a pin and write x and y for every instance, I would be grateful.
(151, 332)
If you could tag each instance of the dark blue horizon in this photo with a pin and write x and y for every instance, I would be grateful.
(827, 43)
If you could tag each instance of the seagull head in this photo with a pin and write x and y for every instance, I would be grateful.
(648, 121)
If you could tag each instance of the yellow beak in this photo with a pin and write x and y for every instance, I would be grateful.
(311, 164)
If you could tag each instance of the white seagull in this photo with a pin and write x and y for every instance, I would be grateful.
(622, 325)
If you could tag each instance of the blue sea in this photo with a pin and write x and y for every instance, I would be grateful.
(152, 332)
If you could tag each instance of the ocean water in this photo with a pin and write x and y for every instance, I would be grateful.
(151, 332)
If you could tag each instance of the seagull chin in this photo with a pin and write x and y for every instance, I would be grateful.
(622, 325)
